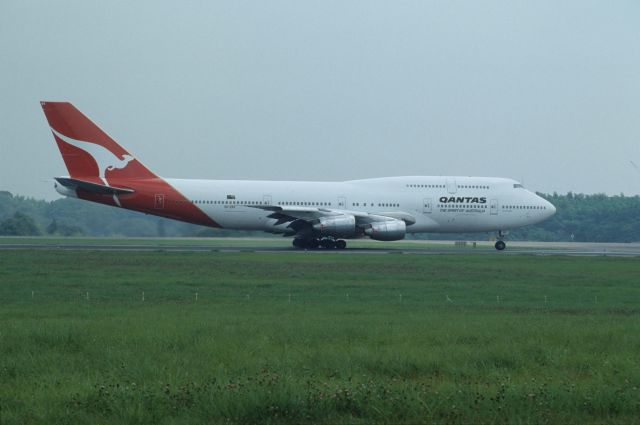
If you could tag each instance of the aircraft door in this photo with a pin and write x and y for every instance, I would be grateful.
(494, 207)
(266, 200)
(158, 202)
(342, 202)
(427, 205)
(451, 186)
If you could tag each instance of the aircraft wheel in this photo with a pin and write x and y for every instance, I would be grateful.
(299, 243)
(340, 244)
(328, 244)
(500, 245)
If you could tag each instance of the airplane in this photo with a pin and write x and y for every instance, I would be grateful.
(315, 214)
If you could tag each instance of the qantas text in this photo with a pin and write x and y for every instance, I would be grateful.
(462, 200)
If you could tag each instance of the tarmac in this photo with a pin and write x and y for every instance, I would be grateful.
(435, 247)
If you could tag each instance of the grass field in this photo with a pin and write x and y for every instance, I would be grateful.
(307, 338)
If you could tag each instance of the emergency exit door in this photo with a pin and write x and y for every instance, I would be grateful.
(494, 206)
(427, 205)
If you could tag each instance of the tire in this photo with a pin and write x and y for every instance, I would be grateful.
(328, 244)
(313, 244)
(299, 243)
(500, 245)
(340, 244)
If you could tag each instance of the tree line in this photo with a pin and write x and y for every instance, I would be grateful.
(579, 218)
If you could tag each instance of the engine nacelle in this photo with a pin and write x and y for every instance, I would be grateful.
(342, 226)
(392, 230)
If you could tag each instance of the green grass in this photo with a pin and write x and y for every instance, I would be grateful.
(305, 338)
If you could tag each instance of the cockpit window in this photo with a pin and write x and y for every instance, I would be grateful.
(518, 185)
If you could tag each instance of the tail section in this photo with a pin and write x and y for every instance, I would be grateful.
(100, 170)
(88, 152)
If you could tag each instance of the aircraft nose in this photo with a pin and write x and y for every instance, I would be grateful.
(551, 209)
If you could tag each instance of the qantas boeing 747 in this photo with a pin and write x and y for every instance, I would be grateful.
(315, 214)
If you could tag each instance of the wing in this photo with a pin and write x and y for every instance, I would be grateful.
(300, 218)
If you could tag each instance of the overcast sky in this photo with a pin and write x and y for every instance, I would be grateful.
(546, 92)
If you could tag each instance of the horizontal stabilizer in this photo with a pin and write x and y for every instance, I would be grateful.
(92, 187)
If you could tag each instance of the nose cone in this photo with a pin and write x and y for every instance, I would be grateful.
(550, 209)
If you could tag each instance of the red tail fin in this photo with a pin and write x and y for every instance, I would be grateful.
(88, 152)
(95, 161)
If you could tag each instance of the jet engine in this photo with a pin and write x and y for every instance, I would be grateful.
(342, 226)
(392, 230)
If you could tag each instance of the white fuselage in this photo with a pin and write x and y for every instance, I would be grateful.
(436, 204)
(316, 214)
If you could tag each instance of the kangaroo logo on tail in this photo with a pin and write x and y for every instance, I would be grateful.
(104, 158)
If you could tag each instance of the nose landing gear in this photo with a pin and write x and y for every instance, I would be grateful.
(500, 244)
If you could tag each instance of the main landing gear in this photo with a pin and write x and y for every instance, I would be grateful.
(500, 244)
(326, 243)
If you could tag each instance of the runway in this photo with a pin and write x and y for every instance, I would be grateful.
(405, 247)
